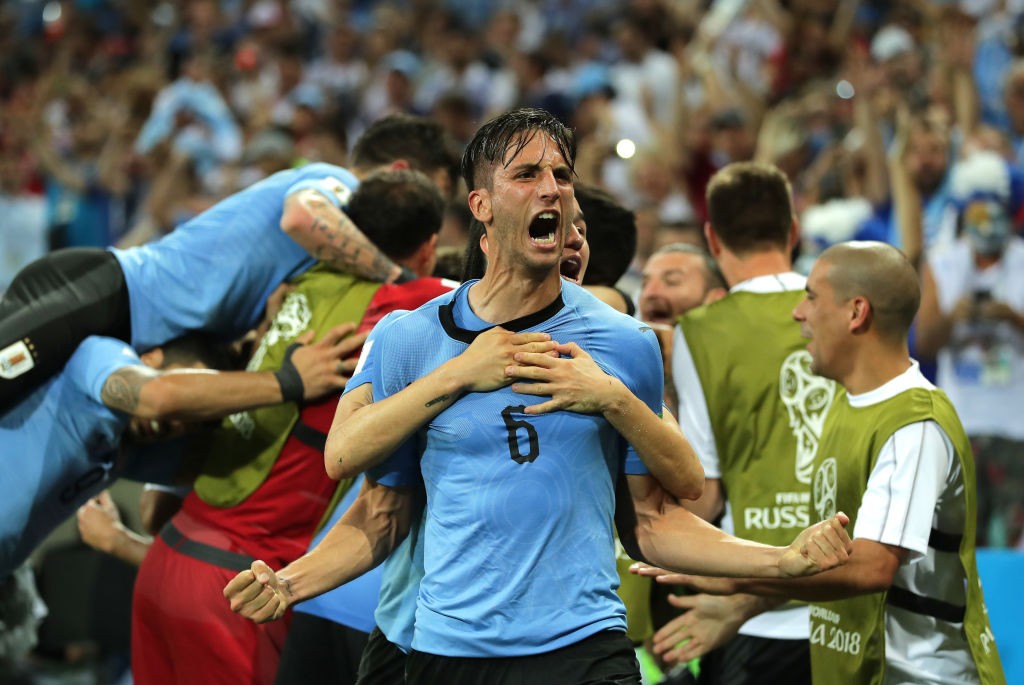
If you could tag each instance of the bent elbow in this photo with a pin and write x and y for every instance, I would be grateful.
(294, 218)
(336, 467)
(336, 463)
(694, 489)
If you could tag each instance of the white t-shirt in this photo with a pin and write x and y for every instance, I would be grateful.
(915, 486)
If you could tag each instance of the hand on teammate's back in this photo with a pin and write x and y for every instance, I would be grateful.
(327, 364)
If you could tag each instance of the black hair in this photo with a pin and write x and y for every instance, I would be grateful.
(198, 348)
(500, 140)
(474, 261)
(611, 233)
(422, 142)
(397, 210)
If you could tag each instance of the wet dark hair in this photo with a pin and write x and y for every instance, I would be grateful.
(499, 140)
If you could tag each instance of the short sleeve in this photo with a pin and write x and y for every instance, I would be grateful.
(402, 467)
(898, 507)
(95, 359)
(368, 362)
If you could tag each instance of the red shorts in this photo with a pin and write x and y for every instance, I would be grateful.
(183, 629)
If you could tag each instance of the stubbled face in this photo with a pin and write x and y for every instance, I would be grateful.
(576, 254)
(528, 208)
(822, 321)
(673, 283)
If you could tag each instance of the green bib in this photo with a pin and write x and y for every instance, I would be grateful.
(848, 636)
(240, 455)
(635, 593)
(765, 405)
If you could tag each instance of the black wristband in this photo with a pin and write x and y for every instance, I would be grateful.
(288, 377)
(406, 275)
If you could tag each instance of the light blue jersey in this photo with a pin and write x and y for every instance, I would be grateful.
(519, 554)
(214, 272)
(57, 448)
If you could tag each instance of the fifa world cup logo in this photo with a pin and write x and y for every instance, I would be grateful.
(807, 398)
(824, 489)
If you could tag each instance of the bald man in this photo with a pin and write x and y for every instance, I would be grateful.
(908, 608)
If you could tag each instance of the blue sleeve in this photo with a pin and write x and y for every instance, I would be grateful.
(93, 362)
(368, 357)
(402, 468)
(333, 182)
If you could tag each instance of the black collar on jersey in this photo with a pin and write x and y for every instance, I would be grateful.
(446, 313)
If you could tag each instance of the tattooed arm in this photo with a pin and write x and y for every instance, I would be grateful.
(327, 234)
(356, 441)
(201, 394)
(187, 394)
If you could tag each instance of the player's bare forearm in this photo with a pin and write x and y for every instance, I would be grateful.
(331, 237)
(373, 526)
(871, 568)
(187, 394)
(356, 442)
(670, 536)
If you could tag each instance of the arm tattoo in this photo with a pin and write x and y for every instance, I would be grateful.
(348, 252)
(123, 388)
(287, 584)
(437, 400)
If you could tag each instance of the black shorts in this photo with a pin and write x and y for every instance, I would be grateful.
(606, 658)
(52, 305)
(745, 660)
(320, 652)
(383, 663)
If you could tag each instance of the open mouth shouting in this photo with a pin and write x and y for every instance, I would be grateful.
(544, 229)
(657, 311)
(571, 267)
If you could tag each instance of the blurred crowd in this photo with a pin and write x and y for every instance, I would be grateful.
(119, 120)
